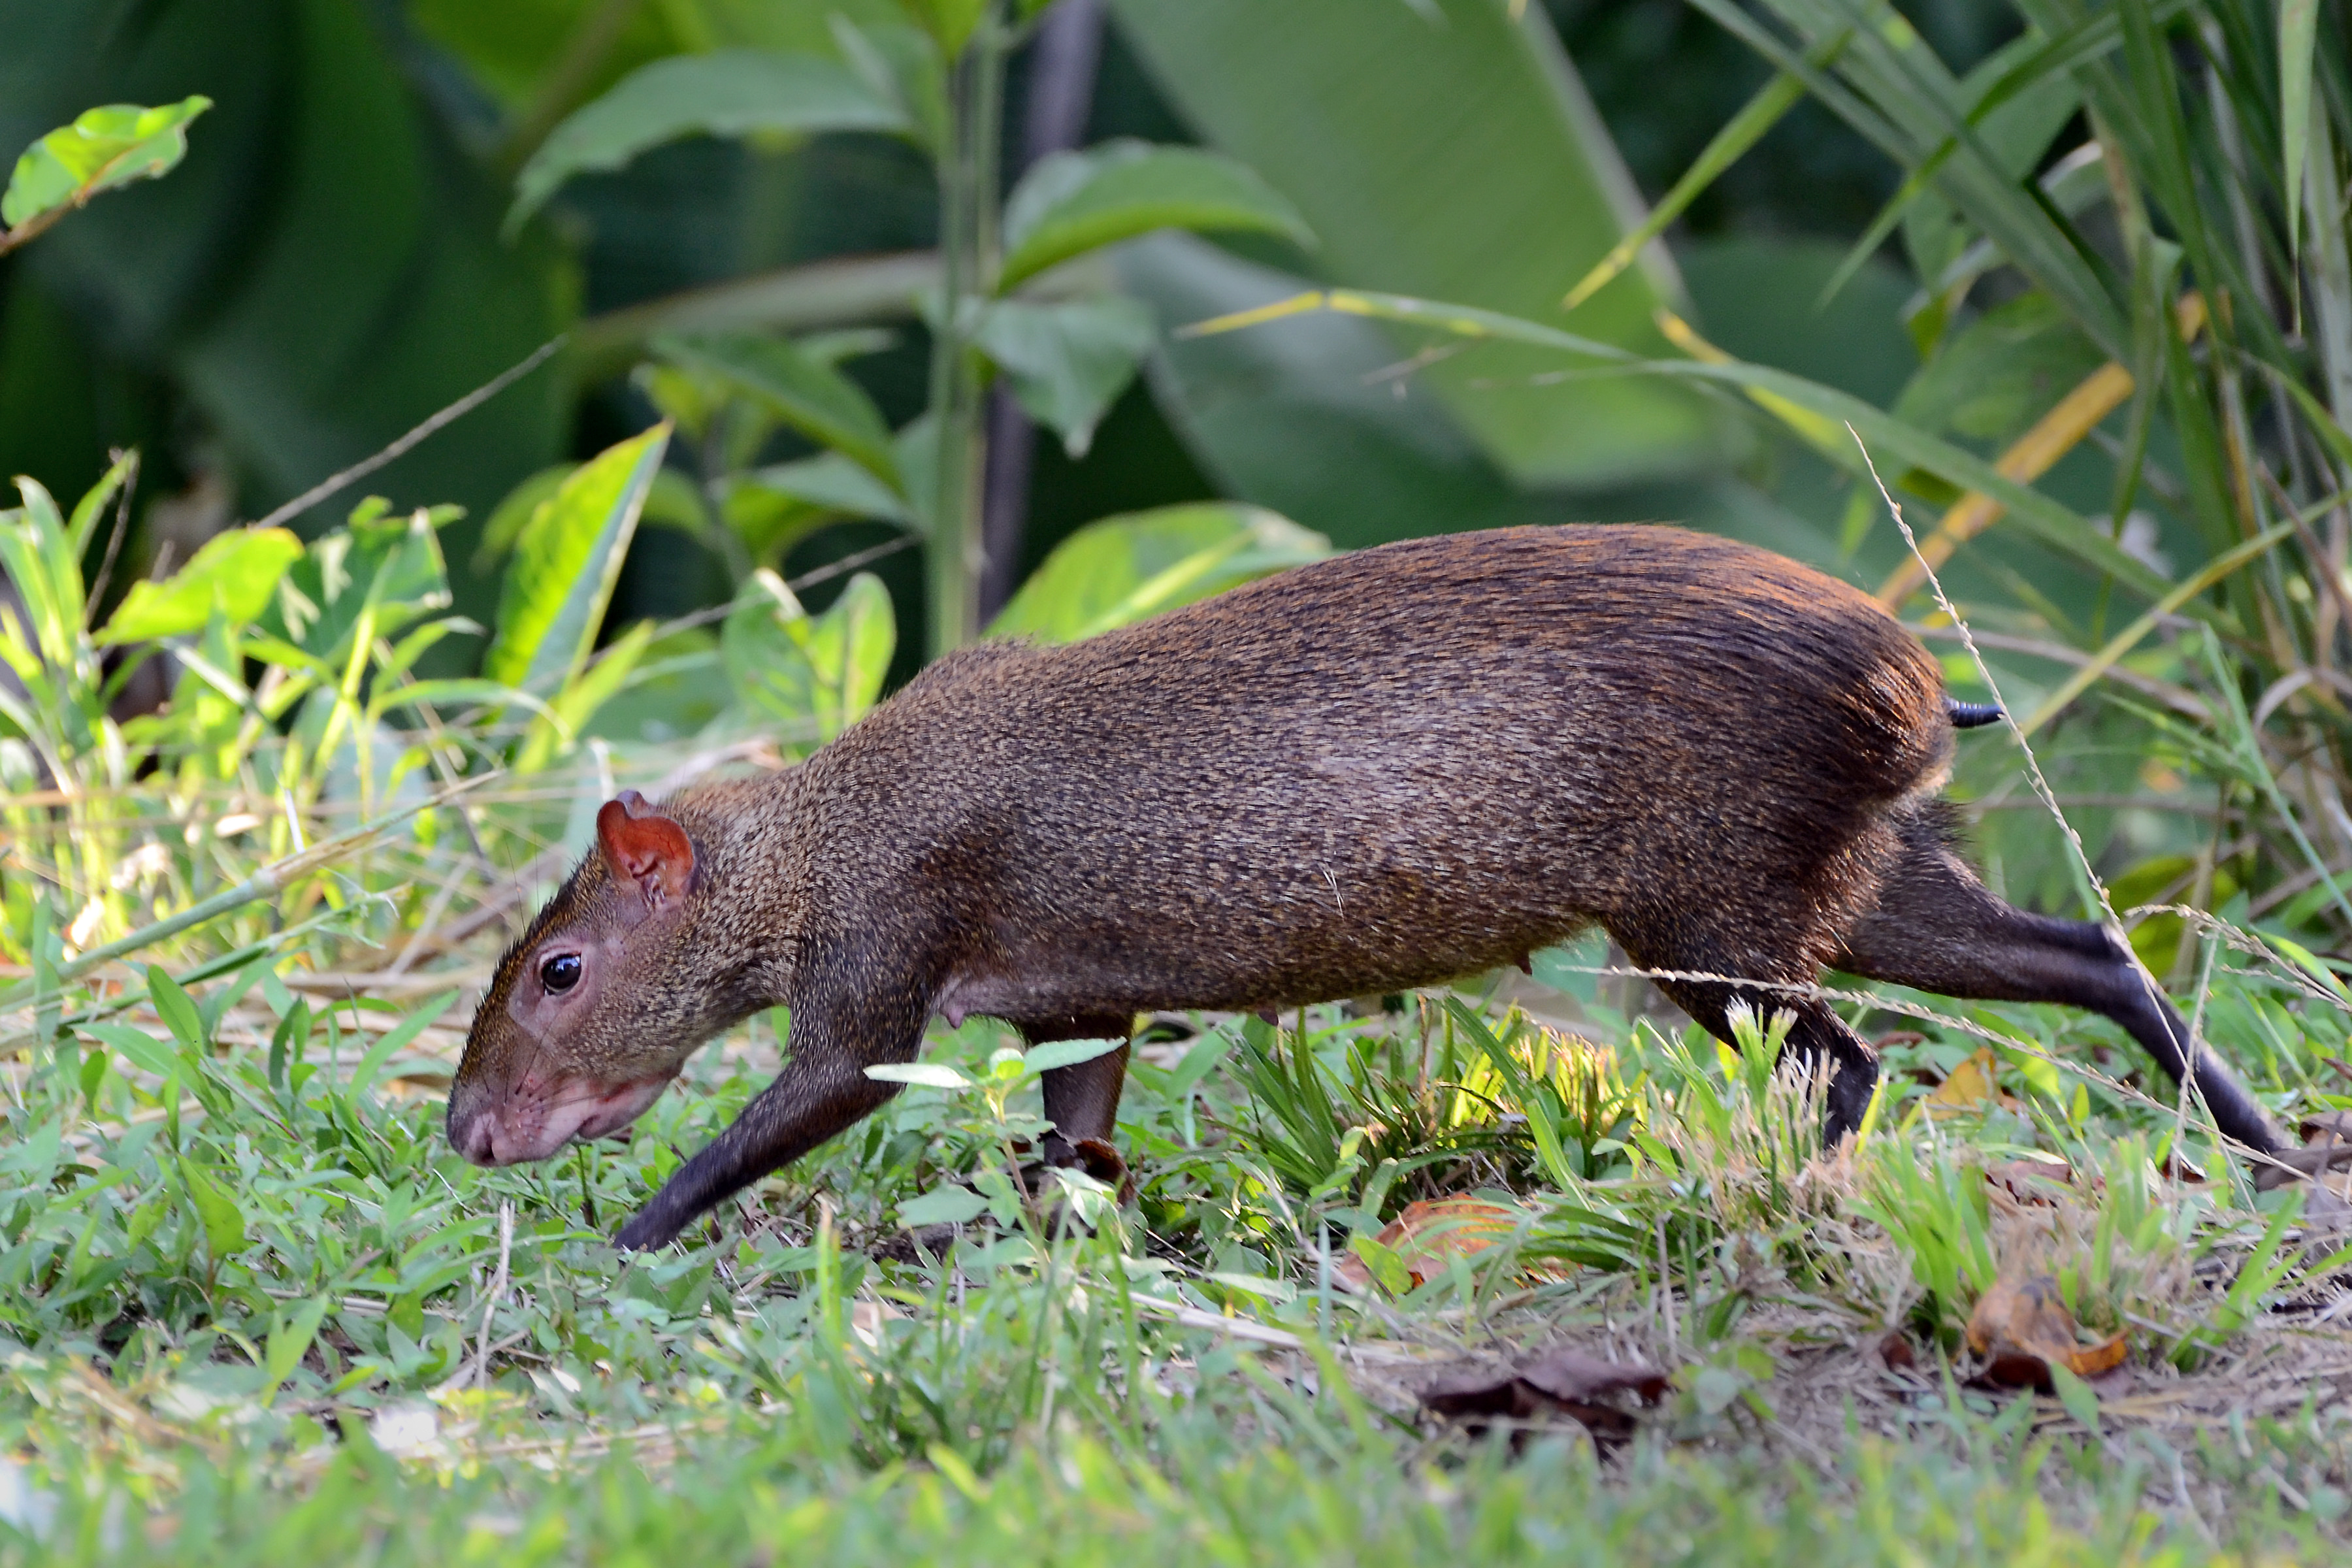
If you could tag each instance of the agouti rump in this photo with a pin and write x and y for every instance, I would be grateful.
(1383, 770)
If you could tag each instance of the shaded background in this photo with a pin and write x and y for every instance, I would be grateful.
(326, 270)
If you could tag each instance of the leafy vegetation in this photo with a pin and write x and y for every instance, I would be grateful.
(257, 1309)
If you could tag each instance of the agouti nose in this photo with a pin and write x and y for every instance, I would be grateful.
(473, 1133)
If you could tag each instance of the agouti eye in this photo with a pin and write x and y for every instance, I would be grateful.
(561, 972)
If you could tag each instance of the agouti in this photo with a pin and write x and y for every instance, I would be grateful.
(1380, 772)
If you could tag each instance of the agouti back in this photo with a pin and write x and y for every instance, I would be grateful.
(1383, 770)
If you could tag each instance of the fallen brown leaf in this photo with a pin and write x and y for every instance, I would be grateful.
(2022, 1330)
(1897, 1351)
(1429, 1232)
(1969, 1086)
(1552, 1384)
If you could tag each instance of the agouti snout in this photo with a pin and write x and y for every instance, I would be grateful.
(1376, 772)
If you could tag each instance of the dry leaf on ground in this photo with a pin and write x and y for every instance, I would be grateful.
(2022, 1330)
(1970, 1086)
(1562, 1382)
(1428, 1234)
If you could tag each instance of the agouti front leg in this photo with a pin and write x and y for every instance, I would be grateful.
(1082, 1099)
(822, 1089)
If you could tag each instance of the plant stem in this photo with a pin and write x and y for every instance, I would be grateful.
(968, 195)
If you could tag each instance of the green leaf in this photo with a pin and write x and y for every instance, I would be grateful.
(2000, 372)
(290, 1339)
(943, 1205)
(902, 66)
(948, 22)
(102, 148)
(1071, 203)
(582, 695)
(1338, 105)
(1067, 362)
(733, 92)
(2081, 1402)
(2298, 27)
(1064, 1053)
(392, 1041)
(922, 1075)
(2057, 524)
(829, 482)
(235, 572)
(96, 499)
(800, 389)
(382, 566)
(1122, 569)
(176, 1008)
(142, 1050)
(819, 674)
(566, 563)
(224, 1223)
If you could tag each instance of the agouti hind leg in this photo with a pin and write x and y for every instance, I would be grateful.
(1936, 928)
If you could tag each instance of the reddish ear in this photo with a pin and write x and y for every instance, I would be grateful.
(649, 850)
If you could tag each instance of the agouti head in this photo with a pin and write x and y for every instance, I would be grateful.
(591, 1014)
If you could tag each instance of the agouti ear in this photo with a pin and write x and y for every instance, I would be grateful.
(649, 851)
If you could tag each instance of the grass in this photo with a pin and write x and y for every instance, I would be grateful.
(260, 1311)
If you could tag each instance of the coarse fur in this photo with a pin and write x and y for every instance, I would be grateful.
(1383, 770)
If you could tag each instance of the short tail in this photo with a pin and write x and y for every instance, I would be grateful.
(1969, 715)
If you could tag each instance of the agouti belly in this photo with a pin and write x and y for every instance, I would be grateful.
(1376, 772)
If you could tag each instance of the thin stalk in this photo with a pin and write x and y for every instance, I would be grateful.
(968, 195)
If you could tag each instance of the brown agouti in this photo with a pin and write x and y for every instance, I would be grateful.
(1380, 772)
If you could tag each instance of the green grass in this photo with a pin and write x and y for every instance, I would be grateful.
(249, 1299)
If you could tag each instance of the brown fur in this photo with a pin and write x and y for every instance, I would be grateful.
(1380, 772)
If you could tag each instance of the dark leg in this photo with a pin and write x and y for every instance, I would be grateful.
(1936, 928)
(822, 1089)
(1819, 1038)
(1082, 1101)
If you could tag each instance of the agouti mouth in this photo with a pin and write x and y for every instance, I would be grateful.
(527, 1126)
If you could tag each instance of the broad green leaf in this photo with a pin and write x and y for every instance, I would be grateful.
(1123, 569)
(2003, 371)
(828, 482)
(176, 1008)
(923, 1075)
(224, 1223)
(902, 66)
(382, 566)
(948, 22)
(391, 1042)
(673, 502)
(585, 693)
(1067, 362)
(733, 92)
(800, 389)
(1071, 203)
(1064, 1053)
(290, 1339)
(102, 148)
(142, 1050)
(236, 572)
(943, 1205)
(818, 674)
(566, 564)
(1450, 154)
